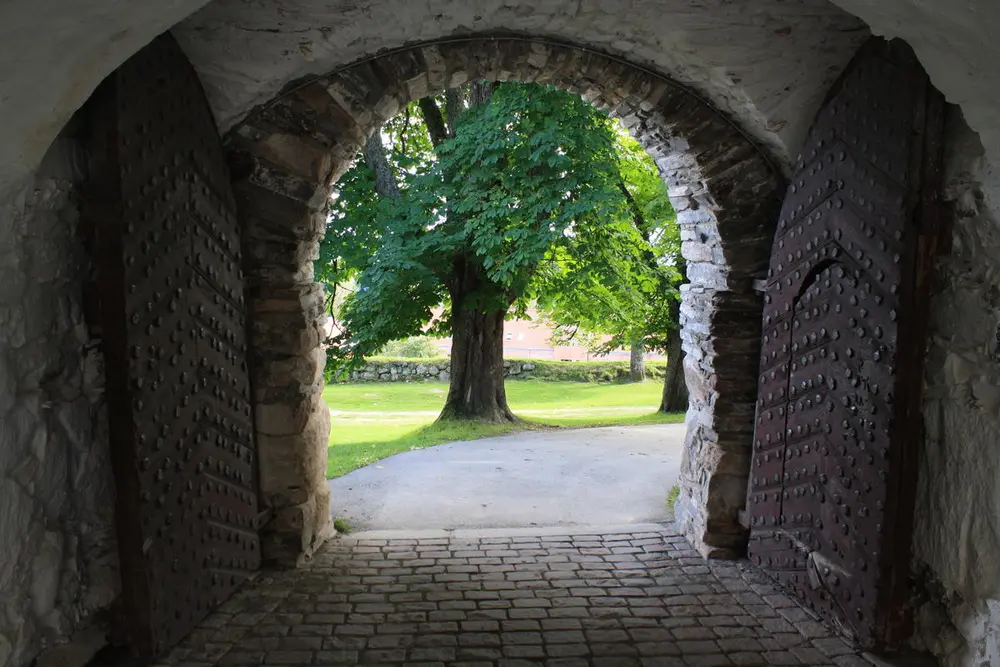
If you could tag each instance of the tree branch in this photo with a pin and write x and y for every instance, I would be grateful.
(637, 216)
(639, 220)
(404, 131)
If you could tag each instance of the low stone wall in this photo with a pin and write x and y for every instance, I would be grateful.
(419, 370)
(423, 370)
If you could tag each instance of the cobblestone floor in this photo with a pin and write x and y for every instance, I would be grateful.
(612, 599)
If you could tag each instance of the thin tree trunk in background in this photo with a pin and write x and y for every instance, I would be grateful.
(433, 120)
(480, 93)
(454, 103)
(637, 361)
(638, 364)
(675, 394)
(385, 178)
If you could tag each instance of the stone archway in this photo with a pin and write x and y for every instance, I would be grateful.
(287, 154)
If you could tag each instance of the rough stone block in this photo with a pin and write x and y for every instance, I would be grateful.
(289, 418)
(298, 459)
(297, 154)
(300, 370)
(278, 213)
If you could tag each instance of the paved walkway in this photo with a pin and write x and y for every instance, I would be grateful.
(606, 599)
(604, 476)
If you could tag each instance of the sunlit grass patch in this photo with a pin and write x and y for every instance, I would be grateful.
(377, 420)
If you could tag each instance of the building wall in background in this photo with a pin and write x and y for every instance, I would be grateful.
(531, 339)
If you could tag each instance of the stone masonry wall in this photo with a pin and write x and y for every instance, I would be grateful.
(438, 369)
(957, 521)
(429, 369)
(287, 153)
(58, 556)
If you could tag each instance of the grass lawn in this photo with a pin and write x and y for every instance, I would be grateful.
(374, 420)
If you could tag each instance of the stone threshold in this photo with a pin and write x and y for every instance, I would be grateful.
(515, 531)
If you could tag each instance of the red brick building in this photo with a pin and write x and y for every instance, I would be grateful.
(531, 339)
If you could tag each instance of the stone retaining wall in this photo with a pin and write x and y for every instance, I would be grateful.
(424, 370)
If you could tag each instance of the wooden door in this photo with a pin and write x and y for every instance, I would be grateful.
(837, 433)
(173, 318)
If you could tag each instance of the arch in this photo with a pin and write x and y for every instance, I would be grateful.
(287, 154)
(767, 62)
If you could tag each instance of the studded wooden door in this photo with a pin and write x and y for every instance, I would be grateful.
(172, 314)
(832, 480)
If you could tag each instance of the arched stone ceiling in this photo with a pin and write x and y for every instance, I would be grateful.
(53, 54)
(742, 55)
(766, 63)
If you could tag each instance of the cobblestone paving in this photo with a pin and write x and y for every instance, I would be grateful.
(613, 599)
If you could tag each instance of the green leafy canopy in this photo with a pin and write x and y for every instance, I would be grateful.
(523, 203)
(636, 302)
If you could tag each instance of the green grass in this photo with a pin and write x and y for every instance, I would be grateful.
(672, 496)
(521, 395)
(368, 446)
(386, 396)
(374, 420)
(644, 419)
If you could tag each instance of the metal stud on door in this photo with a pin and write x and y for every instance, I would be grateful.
(173, 322)
(832, 476)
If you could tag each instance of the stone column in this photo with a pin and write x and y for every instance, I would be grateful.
(726, 242)
(280, 187)
(721, 338)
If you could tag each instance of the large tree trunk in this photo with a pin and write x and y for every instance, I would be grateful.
(675, 395)
(637, 361)
(477, 391)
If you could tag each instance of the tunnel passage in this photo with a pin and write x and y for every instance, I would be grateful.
(286, 155)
